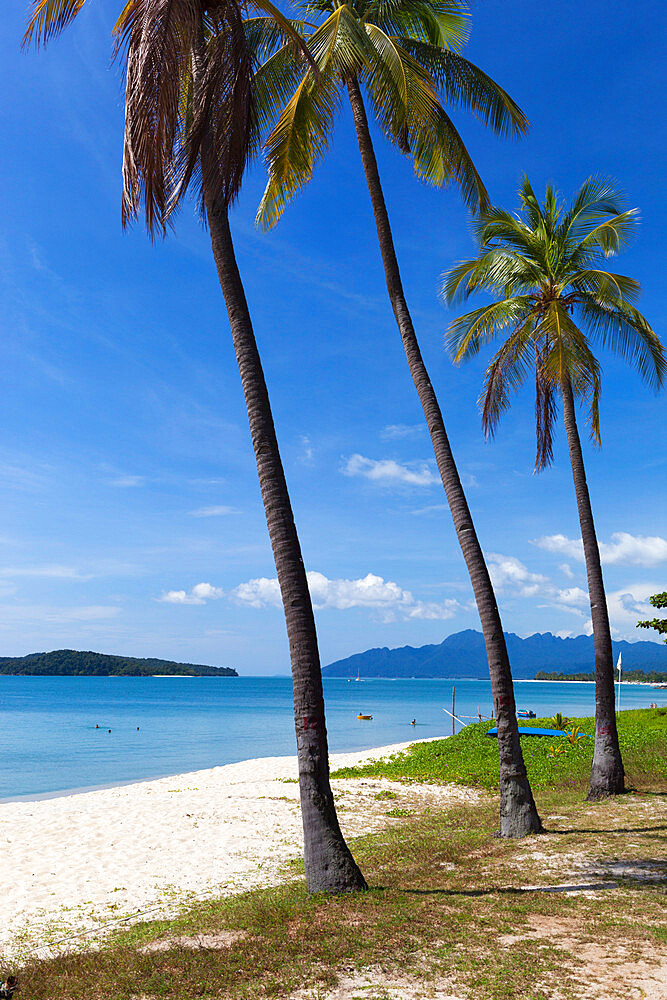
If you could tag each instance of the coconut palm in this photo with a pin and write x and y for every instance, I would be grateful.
(554, 304)
(403, 53)
(189, 115)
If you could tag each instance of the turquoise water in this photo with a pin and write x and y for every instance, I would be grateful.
(169, 725)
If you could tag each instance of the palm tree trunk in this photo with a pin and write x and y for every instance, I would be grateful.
(330, 866)
(607, 777)
(518, 814)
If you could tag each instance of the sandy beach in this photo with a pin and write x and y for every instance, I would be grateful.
(79, 865)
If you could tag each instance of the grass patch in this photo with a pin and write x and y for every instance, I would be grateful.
(471, 757)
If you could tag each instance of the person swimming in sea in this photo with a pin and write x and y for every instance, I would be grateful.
(414, 722)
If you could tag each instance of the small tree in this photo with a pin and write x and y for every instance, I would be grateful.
(659, 624)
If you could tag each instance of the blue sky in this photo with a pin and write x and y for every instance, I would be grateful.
(130, 516)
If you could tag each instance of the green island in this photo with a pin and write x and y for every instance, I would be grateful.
(451, 908)
(629, 676)
(74, 663)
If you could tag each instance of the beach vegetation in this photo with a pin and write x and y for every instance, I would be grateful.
(658, 624)
(629, 676)
(554, 303)
(558, 721)
(470, 757)
(191, 126)
(403, 61)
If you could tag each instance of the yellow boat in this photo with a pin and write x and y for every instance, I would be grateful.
(364, 716)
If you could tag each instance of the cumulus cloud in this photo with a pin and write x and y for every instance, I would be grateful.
(389, 472)
(200, 594)
(509, 573)
(215, 511)
(385, 597)
(640, 550)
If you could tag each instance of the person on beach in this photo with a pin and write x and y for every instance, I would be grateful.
(7, 988)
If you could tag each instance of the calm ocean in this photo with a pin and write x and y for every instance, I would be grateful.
(168, 725)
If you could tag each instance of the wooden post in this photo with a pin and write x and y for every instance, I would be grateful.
(453, 711)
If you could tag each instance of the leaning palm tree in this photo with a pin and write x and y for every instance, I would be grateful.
(403, 53)
(554, 303)
(190, 115)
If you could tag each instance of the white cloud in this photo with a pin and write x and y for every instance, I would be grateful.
(54, 572)
(200, 594)
(308, 452)
(629, 604)
(572, 596)
(388, 472)
(641, 550)
(508, 572)
(216, 511)
(384, 597)
(566, 571)
(39, 614)
(393, 432)
(126, 482)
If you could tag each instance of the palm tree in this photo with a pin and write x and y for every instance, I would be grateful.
(403, 53)
(189, 112)
(544, 266)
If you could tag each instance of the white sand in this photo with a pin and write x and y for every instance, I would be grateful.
(77, 862)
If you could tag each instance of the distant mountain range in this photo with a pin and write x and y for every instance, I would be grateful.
(463, 655)
(71, 662)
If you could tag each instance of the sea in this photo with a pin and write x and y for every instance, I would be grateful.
(65, 734)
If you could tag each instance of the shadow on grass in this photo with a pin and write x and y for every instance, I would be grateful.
(507, 890)
(614, 829)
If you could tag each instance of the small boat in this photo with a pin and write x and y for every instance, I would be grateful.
(360, 716)
(525, 713)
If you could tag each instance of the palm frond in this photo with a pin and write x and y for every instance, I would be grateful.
(605, 285)
(468, 334)
(625, 331)
(300, 138)
(156, 37)
(506, 374)
(611, 234)
(596, 198)
(385, 79)
(466, 86)
(438, 151)
(546, 409)
(274, 84)
(48, 18)
(441, 23)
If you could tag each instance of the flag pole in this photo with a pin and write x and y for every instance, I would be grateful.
(618, 698)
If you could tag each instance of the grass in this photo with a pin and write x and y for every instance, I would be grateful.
(471, 757)
(449, 907)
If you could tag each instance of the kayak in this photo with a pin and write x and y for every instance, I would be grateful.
(364, 716)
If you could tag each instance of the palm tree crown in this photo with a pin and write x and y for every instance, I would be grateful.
(556, 303)
(177, 132)
(405, 54)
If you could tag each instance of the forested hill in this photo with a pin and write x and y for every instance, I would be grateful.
(72, 663)
(463, 655)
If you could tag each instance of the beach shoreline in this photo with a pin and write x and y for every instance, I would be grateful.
(85, 863)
